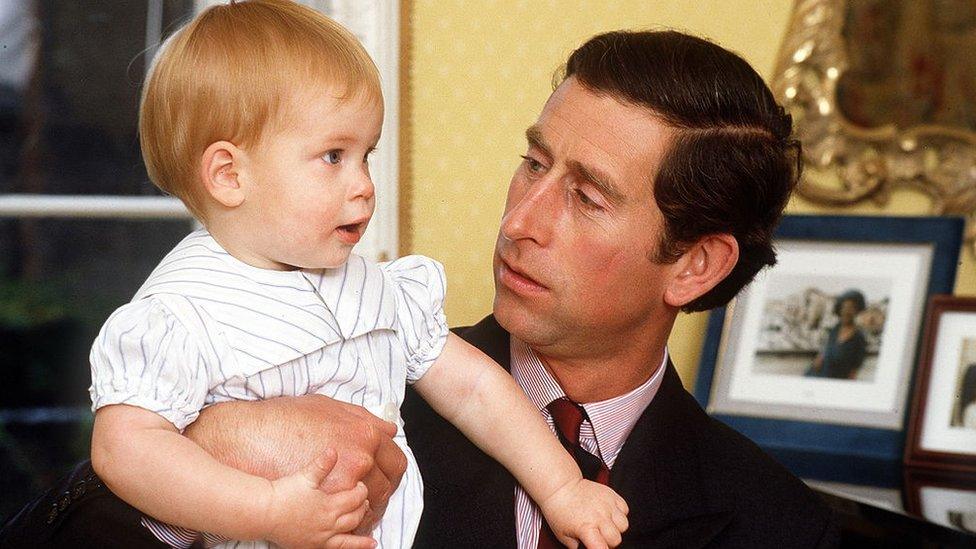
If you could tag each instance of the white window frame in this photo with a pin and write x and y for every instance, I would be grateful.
(377, 24)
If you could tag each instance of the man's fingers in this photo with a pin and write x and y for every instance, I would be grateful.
(620, 520)
(567, 541)
(368, 524)
(388, 429)
(379, 486)
(387, 468)
(391, 461)
(355, 465)
(349, 541)
(592, 538)
(320, 467)
(610, 535)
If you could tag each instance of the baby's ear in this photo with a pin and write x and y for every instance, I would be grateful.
(219, 170)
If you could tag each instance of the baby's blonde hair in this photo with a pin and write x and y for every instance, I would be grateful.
(229, 73)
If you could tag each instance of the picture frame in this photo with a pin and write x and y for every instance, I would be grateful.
(943, 497)
(942, 429)
(757, 367)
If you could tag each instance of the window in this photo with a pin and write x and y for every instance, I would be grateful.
(81, 226)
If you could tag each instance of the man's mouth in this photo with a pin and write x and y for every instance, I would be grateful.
(517, 280)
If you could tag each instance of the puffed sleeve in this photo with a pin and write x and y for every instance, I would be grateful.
(419, 286)
(145, 357)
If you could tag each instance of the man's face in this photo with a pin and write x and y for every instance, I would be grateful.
(573, 261)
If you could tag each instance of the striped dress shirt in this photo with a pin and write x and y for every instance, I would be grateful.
(610, 422)
(207, 328)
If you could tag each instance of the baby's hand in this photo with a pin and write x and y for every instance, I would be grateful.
(586, 512)
(300, 514)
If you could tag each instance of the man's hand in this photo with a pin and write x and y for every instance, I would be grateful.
(282, 436)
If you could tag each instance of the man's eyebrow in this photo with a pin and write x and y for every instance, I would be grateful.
(593, 176)
(534, 136)
(599, 180)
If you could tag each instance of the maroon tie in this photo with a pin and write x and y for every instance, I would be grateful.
(568, 416)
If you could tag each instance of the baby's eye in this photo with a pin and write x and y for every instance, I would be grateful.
(332, 157)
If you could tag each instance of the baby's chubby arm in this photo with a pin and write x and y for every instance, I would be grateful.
(144, 459)
(475, 394)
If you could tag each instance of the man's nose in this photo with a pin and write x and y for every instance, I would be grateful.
(531, 213)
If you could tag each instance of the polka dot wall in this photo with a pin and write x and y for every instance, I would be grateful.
(480, 73)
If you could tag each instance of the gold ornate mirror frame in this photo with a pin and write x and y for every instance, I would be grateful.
(846, 164)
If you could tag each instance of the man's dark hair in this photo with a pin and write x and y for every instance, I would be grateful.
(732, 164)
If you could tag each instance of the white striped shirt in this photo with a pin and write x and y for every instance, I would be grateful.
(603, 435)
(207, 328)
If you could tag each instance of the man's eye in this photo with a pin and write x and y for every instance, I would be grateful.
(533, 164)
(332, 157)
(585, 200)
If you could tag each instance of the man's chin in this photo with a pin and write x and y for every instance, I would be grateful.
(518, 317)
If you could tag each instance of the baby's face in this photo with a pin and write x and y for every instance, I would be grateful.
(310, 196)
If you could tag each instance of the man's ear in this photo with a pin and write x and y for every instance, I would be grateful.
(220, 172)
(701, 268)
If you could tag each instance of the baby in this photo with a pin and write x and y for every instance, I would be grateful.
(261, 116)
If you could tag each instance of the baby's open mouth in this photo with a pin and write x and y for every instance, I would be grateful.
(351, 233)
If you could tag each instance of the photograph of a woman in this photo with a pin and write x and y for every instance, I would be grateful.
(843, 353)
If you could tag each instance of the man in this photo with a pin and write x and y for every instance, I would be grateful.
(653, 180)
(652, 183)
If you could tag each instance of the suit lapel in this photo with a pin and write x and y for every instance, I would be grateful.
(657, 473)
(469, 496)
(496, 500)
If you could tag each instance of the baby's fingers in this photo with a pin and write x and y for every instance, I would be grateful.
(348, 500)
(349, 521)
(349, 541)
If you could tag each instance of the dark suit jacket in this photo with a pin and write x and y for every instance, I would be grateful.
(690, 481)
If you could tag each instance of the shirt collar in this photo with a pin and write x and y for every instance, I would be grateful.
(612, 419)
(308, 308)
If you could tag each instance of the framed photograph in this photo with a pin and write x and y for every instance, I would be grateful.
(817, 354)
(942, 431)
(944, 498)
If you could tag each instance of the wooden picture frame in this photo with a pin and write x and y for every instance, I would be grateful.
(945, 498)
(942, 429)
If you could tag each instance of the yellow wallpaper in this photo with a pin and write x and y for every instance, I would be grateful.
(481, 71)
